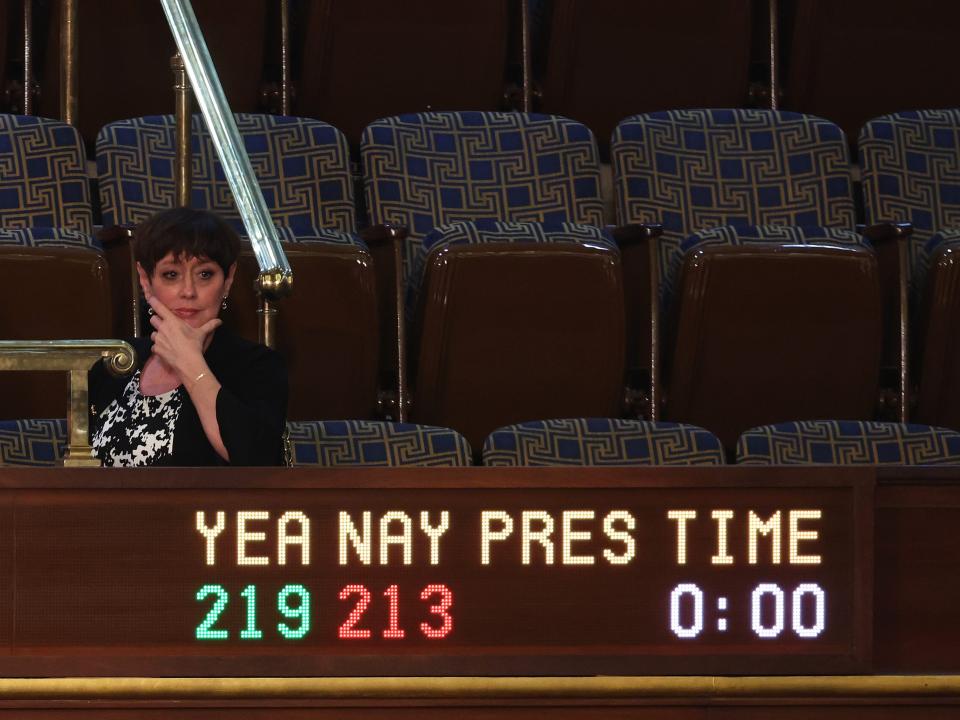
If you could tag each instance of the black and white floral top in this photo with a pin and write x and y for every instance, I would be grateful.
(135, 429)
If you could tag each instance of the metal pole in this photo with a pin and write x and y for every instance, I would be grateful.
(284, 57)
(181, 166)
(68, 61)
(903, 297)
(525, 55)
(27, 56)
(774, 53)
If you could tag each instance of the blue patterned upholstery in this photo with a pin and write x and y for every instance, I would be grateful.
(507, 233)
(431, 169)
(334, 443)
(43, 175)
(302, 167)
(910, 165)
(691, 170)
(45, 237)
(601, 441)
(837, 442)
(35, 443)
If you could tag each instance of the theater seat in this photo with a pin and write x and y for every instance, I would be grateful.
(328, 328)
(515, 320)
(55, 280)
(772, 303)
(771, 322)
(832, 442)
(600, 442)
(32, 443)
(375, 444)
(910, 164)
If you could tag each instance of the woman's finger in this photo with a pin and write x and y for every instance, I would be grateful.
(159, 308)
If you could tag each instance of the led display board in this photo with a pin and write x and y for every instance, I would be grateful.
(218, 572)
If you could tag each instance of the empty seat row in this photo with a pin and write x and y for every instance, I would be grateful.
(572, 442)
(694, 54)
(518, 312)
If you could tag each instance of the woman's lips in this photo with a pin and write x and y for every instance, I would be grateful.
(185, 313)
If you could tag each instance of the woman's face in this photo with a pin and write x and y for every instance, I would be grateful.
(192, 287)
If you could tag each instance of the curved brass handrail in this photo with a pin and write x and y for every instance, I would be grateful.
(227, 142)
(75, 357)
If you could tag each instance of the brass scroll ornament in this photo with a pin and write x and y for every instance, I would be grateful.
(75, 357)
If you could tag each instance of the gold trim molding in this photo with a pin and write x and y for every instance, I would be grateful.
(818, 687)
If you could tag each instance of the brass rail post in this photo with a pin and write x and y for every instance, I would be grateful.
(774, 54)
(284, 57)
(76, 358)
(525, 52)
(181, 165)
(27, 57)
(68, 61)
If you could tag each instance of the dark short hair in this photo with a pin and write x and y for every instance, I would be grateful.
(185, 232)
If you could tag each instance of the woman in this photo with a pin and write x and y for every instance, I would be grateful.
(200, 396)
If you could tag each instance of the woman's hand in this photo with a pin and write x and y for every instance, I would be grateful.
(179, 345)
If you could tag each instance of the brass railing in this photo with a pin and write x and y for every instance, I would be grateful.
(276, 276)
(75, 357)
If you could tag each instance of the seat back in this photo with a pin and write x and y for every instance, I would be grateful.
(55, 286)
(423, 171)
(844, 61)
(32, 443)
(832, 442)
(302, 167)
(679, 54)
(123, 59)
(43, 175)
(326, 330)
(762, 332)
(690, 170)
(359, 443)
(368, 59)
(517, 321)
(600, 442)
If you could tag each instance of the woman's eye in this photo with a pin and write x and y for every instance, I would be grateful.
(170, 274)
(206, 274)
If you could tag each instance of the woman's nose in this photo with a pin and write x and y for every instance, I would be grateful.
(188, 289)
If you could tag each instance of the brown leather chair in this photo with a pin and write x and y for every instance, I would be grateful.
(124, 50)
(48, 293)
(368, 59)
(854, 60)
(608, 59)
(769, 332)
(514, 331)
(327, 329)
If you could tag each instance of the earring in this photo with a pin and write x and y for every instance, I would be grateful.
(150, 310)
(223, 305)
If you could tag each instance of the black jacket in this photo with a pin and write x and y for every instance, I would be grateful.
(251, 404)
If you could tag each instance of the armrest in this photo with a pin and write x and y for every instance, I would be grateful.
(634, 233)
(891, 243)
(377, 235)
(386, 243)
(881, 233)
(114, 234)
